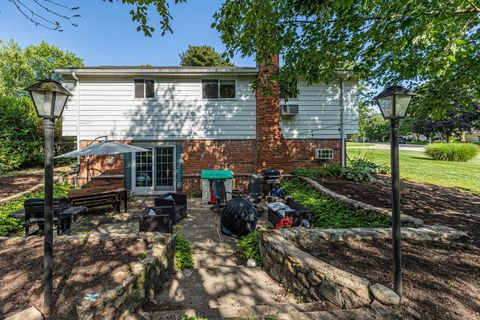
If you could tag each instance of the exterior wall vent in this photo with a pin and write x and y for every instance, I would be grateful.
(289, 109)
(323, 154)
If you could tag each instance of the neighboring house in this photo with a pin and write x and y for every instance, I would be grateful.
(194, 118)
(472, 137)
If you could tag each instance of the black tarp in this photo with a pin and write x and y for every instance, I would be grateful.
(239, 217)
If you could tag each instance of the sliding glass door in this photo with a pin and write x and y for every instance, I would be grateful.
(154, 170)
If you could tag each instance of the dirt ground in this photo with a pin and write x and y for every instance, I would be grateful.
(433, 204)
(81, 266)
(440, 280)
(13, 184)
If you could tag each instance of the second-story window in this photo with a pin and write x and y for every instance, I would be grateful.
(144, 88)
(218, 89)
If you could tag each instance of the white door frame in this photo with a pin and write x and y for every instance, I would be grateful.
(151, 190)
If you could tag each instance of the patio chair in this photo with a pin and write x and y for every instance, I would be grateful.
(178, 203)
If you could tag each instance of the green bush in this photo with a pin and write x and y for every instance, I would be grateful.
(249, 247)
(183, 253)
(329, 213)
(327, 170)
(452, 151)
(8, 224)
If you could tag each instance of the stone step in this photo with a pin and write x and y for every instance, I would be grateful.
(208, 260)
(224, 286)
(259, 311)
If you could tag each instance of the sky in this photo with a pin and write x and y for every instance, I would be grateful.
(106, 35)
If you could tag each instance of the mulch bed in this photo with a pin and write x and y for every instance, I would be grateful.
(81, 265)
(13, 184)
(432, 203)
(440, 280)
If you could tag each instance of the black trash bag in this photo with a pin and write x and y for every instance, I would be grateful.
(239, 217)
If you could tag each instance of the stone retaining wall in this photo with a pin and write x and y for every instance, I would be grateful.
(310, 277)
(144, 282)
(306, 239)
(355, 204)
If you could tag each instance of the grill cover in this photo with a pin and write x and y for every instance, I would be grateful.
(239, 217)
(272, 174)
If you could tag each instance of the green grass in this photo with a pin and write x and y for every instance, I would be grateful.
(329, 213)
(9, 225)
(359, 144)
(418, 167)
(183, 253)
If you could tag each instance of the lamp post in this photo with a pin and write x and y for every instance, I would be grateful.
(49, 99)
(393, 103)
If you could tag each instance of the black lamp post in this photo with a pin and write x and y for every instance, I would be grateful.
(49, 98)
(393, 103)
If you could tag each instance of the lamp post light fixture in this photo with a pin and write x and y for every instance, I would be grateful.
(393, 103)
(49, 99)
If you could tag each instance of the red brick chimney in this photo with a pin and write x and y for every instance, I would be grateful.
(271, 148)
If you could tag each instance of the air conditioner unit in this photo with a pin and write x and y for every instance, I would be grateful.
(323, 154)
(289, 109)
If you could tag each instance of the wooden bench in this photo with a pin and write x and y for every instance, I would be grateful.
(98, 197)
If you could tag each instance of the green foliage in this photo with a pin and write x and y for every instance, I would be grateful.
(20, 68)
(383, 42)
(21, 131)
(361, 167)
(203, 56)
(183, 253)
(249, 247)
(452, 151)
(328, 213)
(8, 224)
(327, 170)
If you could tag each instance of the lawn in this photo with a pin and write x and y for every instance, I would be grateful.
(418, 167)
(359, 144)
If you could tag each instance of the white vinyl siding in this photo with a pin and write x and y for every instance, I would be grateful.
(108, 107)
(319, 112)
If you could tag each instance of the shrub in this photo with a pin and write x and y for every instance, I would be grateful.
(329, 213)
(327, 170)
(183, 253)
(452, 151)
(8, 224)
(362, 167)
(249, 247)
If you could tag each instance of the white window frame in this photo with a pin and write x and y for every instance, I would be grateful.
(145, 89)
(218, 81)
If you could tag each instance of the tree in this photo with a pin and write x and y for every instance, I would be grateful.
(455, 123)
(383, 42)
(19, 67)
(203, 56)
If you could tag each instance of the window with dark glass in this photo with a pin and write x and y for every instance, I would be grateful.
(144, 88)
(218, 89)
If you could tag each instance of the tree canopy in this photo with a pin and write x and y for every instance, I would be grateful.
(19, 67)
(384, 42)
(203, 56)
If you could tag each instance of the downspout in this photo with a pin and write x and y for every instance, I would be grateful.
(342, 129)
(77, 94)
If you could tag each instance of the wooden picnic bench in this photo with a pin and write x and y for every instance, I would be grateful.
(99, 196)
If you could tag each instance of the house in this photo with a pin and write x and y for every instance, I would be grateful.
(194, 118)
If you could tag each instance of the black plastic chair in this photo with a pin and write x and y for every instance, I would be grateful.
(219, 193)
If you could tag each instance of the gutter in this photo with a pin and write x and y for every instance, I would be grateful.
(342, 125)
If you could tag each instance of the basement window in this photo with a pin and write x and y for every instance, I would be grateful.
(144, 88)
(218, 89)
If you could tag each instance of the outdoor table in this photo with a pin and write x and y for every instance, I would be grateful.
(98, 196)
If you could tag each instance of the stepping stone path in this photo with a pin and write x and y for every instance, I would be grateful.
(221, 286)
